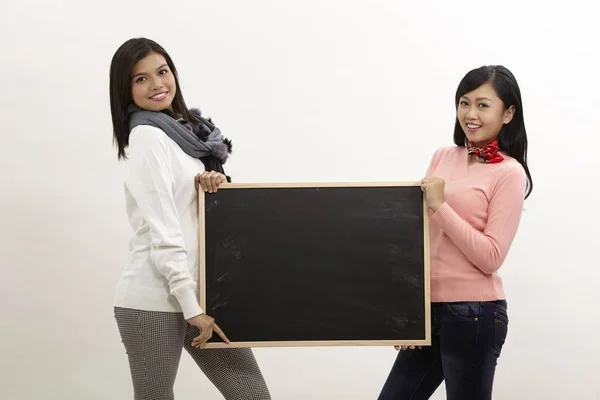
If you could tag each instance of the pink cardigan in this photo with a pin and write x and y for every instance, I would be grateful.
(471, 233)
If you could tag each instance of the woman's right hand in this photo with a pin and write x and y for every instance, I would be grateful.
(206, 325)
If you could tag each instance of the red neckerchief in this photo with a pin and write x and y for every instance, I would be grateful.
(487, 154)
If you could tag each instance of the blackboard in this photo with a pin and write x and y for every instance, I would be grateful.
(315, 264)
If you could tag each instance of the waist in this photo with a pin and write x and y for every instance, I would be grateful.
(459, 287)
(499, 303)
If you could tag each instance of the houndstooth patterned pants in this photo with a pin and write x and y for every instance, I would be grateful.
(153, 342)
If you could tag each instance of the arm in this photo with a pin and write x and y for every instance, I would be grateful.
(149, 181)
(488, 249)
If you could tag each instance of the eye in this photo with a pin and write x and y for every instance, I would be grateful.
(140, 79)
(483, 105)
(163, 71)
(463, 103)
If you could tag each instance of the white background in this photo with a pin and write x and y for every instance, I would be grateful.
(308, 90)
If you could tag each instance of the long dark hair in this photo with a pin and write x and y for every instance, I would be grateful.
(123, 61)
(512, 138)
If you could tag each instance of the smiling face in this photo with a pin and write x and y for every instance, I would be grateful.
(481, 114)
(153, 84)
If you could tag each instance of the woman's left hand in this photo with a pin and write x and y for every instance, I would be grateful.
(209, 181)
(434, 192)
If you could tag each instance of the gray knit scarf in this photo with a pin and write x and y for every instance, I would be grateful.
(197, 139)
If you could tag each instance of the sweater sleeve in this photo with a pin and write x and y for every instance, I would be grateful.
(149, 180)
(488, 249)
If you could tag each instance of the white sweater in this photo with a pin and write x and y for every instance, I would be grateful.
(162, 206)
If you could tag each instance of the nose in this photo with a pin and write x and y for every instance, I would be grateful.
(156, 83)
(472, 113)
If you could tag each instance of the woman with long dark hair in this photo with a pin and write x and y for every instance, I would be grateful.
(165, 146)
(475, 193)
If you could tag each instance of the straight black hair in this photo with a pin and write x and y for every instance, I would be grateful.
(123, 61)
(512, 138)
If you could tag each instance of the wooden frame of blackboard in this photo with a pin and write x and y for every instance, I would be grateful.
(426, 272)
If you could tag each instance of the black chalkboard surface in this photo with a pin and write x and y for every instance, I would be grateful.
(315, 264)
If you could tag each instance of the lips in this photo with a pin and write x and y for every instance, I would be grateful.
(159, 96)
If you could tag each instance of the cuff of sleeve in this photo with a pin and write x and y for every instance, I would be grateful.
(189, 304)
(442, 213)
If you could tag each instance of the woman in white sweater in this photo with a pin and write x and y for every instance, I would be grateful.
(171, 153)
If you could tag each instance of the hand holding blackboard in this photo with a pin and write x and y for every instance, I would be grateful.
(206, 325)
(209, 181)
(406, 347)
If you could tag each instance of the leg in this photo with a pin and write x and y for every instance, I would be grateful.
(415, 375)
(153, 341)
(234, 372)
(471, 338)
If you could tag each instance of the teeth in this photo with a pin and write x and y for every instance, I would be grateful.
(158, 96)
(473, 126)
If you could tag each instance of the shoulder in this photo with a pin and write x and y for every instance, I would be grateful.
(148, 144)
(147, 138)
(510, 168)
(440, 157)
(510, 177)
(448, 154)
(147, 134)
(444, 151)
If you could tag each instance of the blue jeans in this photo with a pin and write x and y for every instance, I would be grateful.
(466, 341)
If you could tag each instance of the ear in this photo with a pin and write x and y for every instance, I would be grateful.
(509, 113)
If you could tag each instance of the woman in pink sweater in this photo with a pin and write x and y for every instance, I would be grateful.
(475, 193)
